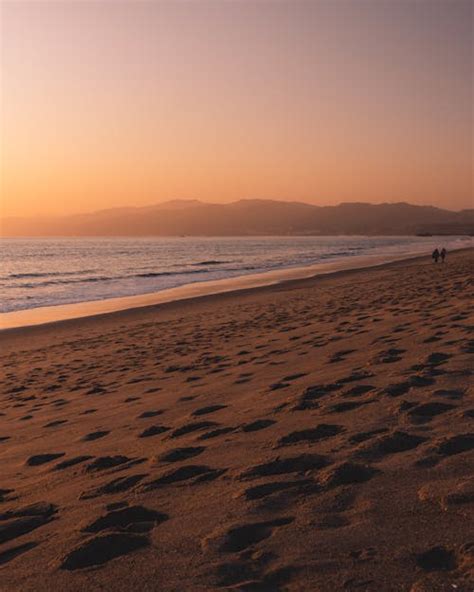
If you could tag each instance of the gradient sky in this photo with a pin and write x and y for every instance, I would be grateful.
(117, 103)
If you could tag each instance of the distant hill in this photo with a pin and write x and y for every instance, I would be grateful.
(249, 217)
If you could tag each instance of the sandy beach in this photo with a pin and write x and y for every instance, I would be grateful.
(51, 314)
(314, 435)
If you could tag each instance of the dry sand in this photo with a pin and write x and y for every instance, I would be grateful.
(311, 436)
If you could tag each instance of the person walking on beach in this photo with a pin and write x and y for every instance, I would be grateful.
(435, 255)
(443, 254)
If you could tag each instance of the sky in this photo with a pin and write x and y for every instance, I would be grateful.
(128, 103)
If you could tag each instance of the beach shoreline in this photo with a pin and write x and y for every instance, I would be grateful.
(24, 319)
(310, 435)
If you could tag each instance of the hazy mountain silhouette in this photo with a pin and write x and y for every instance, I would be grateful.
(249, 217)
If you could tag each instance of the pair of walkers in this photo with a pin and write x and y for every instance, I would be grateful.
(437, 254)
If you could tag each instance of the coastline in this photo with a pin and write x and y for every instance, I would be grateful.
(336, 411)
(23, 319)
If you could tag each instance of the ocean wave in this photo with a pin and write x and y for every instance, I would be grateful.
(144, 275)
(17, 276)
(210, 262)
(166, 273)
(63, 282)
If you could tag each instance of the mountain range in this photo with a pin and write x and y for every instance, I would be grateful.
(248, 217)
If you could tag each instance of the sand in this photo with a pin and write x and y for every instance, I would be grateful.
(310, 436)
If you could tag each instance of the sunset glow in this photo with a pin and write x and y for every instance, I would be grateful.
(110, 104)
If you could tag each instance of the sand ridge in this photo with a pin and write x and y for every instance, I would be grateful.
(311, 436)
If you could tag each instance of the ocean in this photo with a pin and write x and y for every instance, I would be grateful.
(52, 271)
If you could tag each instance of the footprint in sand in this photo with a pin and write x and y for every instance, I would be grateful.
(60, 402)
(131, 519)
(279, 385)
(240, 537)
(242, 380)
(347, 473)
(43, 509)
(16, 523)
(192, 427)
(394, 443)
(437, 558)
(452, 394)
(107, 462)
(261, 491)
(251, 571)
(291, 464)
(427, 411)
(389, 356)
(96, 390)
(437, 358)
(292, 377)
(448, 494)
(259, 424)
(71, 462)
(397, 389)
(207, 410)
(94, 436)
(309, 398)
(320, 432)
(56, 423)
(364, 436)
(359, 390)
(186, 398)
(40, 459)
(101, 549)
(147, 414)
(355, 376)
(178, 454)
(240, 571)
(5, 495)
(190, 473)
(347, 406)
(468, 347)
(217, 432)
(115, 486)
(153, 430)
(13, 552)
(456, 444)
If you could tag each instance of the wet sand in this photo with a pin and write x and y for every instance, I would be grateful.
(314, 435)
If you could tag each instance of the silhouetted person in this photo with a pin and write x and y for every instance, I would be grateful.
(435, 255)
(443, 254)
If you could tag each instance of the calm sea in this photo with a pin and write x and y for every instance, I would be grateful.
(47, 272)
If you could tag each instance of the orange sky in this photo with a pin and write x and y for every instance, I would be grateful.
(110, 103)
